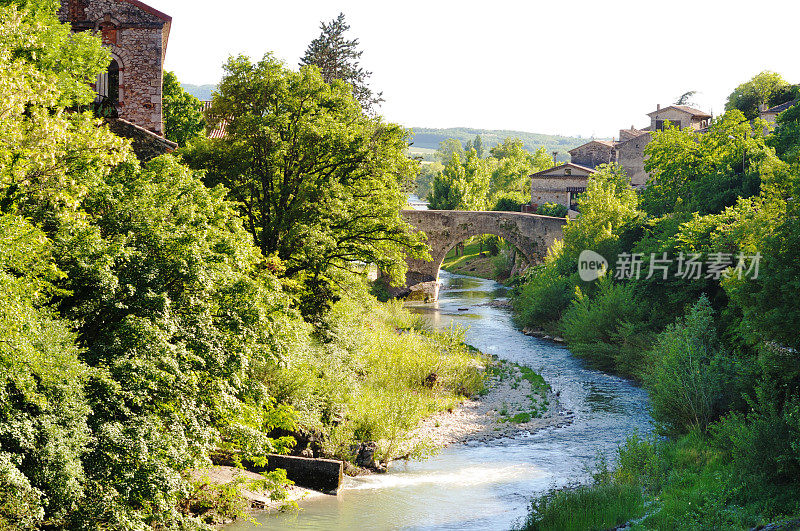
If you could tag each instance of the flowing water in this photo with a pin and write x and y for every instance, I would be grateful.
(486, 485)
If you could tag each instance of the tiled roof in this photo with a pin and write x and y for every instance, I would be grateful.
(146, 144)
(685, 108)
(630, 133)
(565, 165)
(780, 108)
(608, 143)
(146, 8)
(219, 132)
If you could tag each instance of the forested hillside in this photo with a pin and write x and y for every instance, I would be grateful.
(201, 92)
(429, 138)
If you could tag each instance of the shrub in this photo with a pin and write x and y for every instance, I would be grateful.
(601, 506)
(763, 446)
(609, 328)
(690, 377)
(510, 202)
(556, 210)
(543, 296)
(503, 264)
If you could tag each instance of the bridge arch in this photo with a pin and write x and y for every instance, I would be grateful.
(531, 234)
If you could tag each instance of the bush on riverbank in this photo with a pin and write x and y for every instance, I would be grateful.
(603, 506)
(717, 347)
(143, 331)
(379, 373)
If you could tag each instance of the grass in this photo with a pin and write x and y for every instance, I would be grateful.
(684, 483)
(378, 373)
(538, 397)
(471, 262)
(582, 508)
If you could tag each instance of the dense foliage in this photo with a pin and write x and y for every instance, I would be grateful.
(183, 113)
(317, 179)
(716, 347)
(338, 58)
(766, 88)
(143, 329)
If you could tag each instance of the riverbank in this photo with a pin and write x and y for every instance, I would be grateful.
(474, 261)
(515, 400)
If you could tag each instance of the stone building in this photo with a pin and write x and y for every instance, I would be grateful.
(136, 34)
(594, 153)
(770, 114)
(681, 115)
(563, 183)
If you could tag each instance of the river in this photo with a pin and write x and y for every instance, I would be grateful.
(487, 485)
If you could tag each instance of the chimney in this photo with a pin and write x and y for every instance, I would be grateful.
(658, 106)
(555, 158)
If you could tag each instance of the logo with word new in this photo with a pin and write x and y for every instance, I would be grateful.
(591, 265)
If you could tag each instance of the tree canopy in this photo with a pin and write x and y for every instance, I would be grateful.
(764, 88)
(183, 113)
(339, 58)
(317, 179)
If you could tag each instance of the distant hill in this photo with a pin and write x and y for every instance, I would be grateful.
(427, 138)
(201, 92)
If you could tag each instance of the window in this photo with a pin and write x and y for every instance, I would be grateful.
(662, 124)
(107, 85)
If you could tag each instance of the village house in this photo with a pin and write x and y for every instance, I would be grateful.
(770, 114)
(130, 91)
(562, 184)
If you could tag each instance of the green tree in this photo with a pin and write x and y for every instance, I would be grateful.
(461, 186)
(449, 147)
(317, 179)
(183, 113)
(786, 137)
(607, 208)
(43, 412)
(690, 377)
(338, 58)
(49, 156)
(685, 98)
(705, 173)
(477, 145)
(178, 314)
(763, 88)
(515, 164)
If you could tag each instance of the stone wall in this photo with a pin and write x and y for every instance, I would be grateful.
(550, 186)
(532, 235)
(676, 116)
(631, 158)
(136, 35)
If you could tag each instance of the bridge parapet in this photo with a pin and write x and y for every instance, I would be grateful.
(531, 234)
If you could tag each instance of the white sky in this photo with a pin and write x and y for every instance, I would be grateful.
(571, 67)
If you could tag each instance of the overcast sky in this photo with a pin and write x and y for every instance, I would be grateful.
(571, 67)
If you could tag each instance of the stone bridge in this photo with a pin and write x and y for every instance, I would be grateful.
(531, 234)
